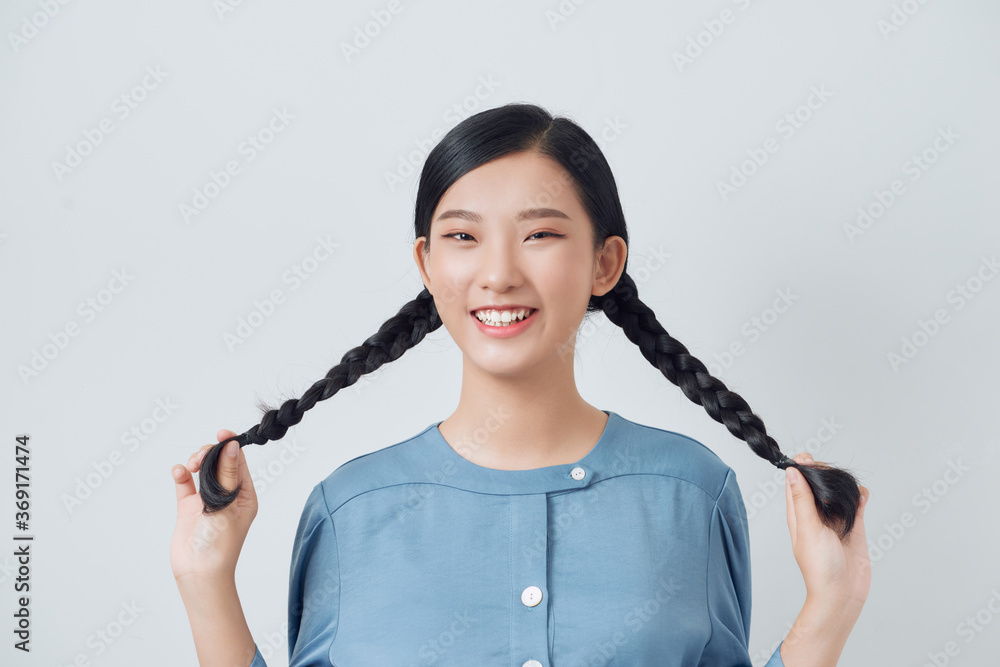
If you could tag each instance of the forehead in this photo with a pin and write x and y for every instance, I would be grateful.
(510, 184)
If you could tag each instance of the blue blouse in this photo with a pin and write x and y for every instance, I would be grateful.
(637, 554)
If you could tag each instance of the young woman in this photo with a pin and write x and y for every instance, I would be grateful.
(529, 528)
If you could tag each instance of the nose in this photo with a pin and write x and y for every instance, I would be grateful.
(500, 267)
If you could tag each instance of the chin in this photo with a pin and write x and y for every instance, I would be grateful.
(502, 365)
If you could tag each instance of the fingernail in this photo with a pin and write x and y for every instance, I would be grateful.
(793, 475)
(176, 472)
(231, 448)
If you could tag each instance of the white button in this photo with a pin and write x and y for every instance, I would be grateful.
(532, 663)
(578, 473)
(531, 596)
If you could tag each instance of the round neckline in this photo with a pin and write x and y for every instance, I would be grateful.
(473, 476)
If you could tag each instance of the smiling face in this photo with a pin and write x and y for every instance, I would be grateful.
(501, 238)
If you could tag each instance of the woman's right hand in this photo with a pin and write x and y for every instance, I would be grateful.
(206, 546)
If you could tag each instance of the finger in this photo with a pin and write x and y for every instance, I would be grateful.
(807, 459)
(183, 482)
(194, 463)
(790, 507)
(801, 457)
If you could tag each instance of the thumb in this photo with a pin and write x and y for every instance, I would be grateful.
(228, 465)
(800, 502)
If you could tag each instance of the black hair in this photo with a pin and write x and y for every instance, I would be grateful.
(479, 139)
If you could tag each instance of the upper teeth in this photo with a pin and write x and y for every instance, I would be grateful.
(502, 317)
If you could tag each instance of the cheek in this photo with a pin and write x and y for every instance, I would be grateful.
(452, 277)
(567, 279)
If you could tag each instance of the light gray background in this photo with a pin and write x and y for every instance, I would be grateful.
(680, 132)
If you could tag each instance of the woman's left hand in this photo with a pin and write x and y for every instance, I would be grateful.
(836, 574)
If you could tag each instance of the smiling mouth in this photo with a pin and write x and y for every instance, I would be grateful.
(502, 318)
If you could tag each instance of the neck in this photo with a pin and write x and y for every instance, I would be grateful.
(528, 420)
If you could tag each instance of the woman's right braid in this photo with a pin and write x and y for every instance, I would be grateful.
(398, 334)
(835, 490)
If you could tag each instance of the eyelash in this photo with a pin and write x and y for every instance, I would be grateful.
(553, 234)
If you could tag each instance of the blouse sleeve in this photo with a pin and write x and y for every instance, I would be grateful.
(313, 586)
(729, 582)
(258, 659)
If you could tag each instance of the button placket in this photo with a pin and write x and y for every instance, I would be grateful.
(529, 580)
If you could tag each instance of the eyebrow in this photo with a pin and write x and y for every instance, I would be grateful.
(526, 214)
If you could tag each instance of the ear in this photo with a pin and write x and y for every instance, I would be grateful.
(420, 258)
(609, 265)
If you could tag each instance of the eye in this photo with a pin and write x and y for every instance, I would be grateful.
(456, 234)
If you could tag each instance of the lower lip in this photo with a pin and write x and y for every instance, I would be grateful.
(507, 331)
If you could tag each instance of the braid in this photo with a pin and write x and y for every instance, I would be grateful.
(835, 490)
(398, 334)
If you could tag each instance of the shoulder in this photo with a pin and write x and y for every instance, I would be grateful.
(397, 463)
(646, 449)
(631, 448)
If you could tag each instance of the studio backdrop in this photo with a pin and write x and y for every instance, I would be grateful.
(205, 204)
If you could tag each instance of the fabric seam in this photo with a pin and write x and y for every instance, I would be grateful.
(336, 543)
(531, 493)
(708, 562)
